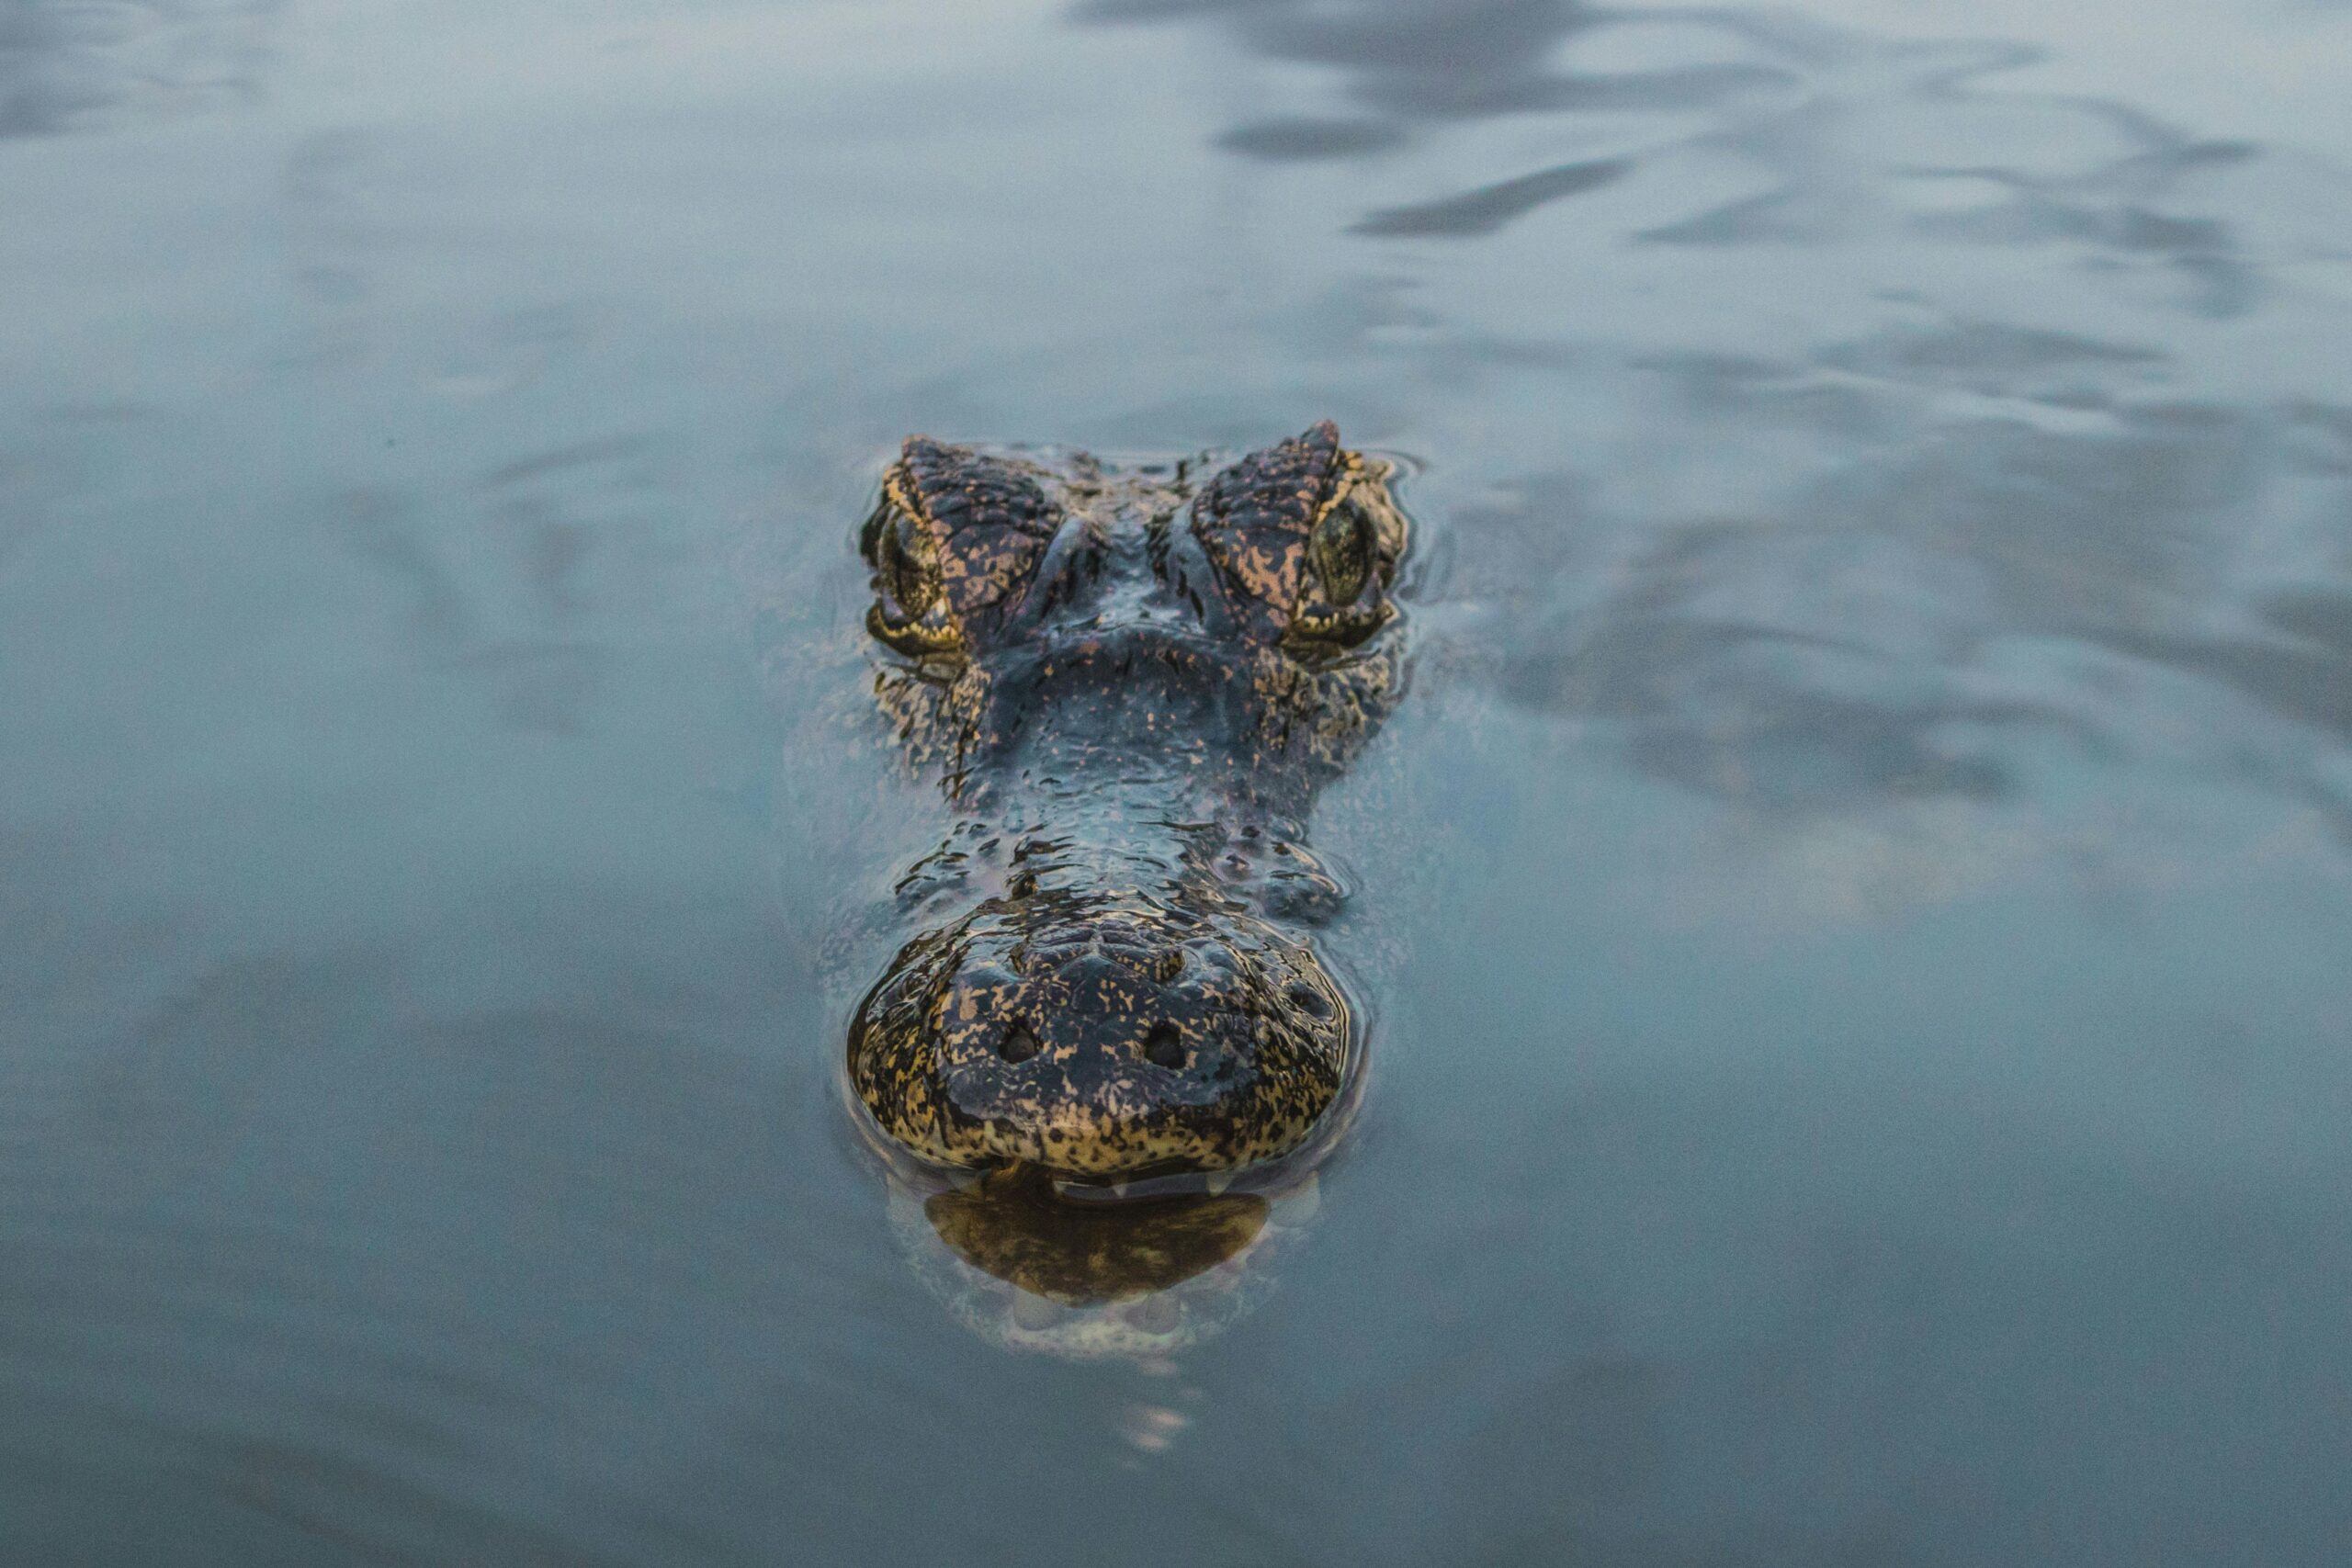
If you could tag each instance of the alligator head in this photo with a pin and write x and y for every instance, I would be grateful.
(1131, 683)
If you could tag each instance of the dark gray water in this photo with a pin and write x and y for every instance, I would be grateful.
(1862, 1073)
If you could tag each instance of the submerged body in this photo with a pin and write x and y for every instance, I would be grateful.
(1131, 684)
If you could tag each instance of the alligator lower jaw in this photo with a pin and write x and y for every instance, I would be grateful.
(1130, 1158)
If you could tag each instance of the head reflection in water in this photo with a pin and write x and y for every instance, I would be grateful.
(1111, 995)
(1033, 1268)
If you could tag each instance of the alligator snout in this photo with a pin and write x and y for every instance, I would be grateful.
(1111, 1009)
(1103, 1047)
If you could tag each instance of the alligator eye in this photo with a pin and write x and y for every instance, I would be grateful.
(911, 612)
(1341, 550)
(897, 544)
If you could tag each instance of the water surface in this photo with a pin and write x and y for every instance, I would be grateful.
(1857, 892)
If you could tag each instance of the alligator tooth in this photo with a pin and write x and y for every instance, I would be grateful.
(1119, 1189)
(1219, 1181)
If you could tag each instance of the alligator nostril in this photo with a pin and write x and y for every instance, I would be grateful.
(1164, 1047)
(1310, 1001)
(1018, 1043)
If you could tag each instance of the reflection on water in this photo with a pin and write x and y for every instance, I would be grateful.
(1406, 59)
(1862, 878)
(1079, 1257)
(68, 65)
(1030, 1268)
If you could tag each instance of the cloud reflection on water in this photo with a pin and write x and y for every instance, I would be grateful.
(1981, 457)
(68, 67)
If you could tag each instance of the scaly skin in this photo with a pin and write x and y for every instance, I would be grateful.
(1131, 689)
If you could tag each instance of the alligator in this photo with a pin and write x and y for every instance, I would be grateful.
(1131, 682)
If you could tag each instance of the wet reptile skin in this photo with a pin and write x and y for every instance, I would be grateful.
(1131, 685)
